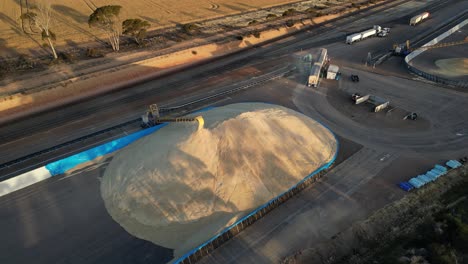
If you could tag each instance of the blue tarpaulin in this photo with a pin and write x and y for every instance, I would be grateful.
(431, 175)
(453, 164)
(424, 178)
(63, 165)
(416, 183)
(405, 186)
(440, 167)
(437, 171)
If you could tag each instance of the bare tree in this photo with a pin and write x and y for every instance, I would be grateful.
(107, 19)
(42, 20)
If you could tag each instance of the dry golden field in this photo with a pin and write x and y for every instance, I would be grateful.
(70, 18)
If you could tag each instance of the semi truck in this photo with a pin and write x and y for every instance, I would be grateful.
(418, 18)
(322, 57)
(314, 75)
(363, 35)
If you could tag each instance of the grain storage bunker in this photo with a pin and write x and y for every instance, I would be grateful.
(180, 186)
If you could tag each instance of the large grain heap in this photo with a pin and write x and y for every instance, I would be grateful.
(179, 187)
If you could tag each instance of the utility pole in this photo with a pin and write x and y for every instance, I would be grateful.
(369, 58)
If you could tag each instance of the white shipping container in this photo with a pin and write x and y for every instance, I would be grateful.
(368, 33)
(331, 75)
(332, 71)
(353, 38)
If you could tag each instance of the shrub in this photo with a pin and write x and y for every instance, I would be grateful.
(290, 23)
(289, 12)
(253, 22)
(271, 16)
(93, 53)
(66, 57)
(194, 52)
(190, 28)
(239, 37)
(256, 34)
(24, 62)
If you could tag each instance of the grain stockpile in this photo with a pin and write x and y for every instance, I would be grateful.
(454, 67)
(180, 186)
(70, 17)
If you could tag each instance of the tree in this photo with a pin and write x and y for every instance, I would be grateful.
(42, 20)
(106, 18)
(135, 28)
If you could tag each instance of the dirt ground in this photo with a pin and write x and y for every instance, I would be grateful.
(70, 18)
(382, 227)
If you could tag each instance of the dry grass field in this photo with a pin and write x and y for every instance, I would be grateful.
(70, 18)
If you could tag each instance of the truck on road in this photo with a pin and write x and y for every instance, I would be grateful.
(418, 18)
(363, 35)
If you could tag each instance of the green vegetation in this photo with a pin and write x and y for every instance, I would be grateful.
(135, 28)
(256, 34)
(290, 23)
(190, 28)
(289, 12)
(106, 18)
(93, 53)
(253, 22)
(441, 237)
(271, 17)
(67, 57)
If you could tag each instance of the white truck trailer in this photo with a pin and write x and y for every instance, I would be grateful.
(322, 57)
(368, 33)
(353, 38)
(332, 71)
(314, 75)
(363, 35)
(417, 19)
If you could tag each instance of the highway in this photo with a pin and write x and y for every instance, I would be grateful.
(62, 220)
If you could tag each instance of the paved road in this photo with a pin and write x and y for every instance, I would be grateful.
(62, 220)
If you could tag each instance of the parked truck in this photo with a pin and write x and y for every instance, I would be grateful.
(314, 75)
(322, 57)
(417, 19)
(363, 35)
